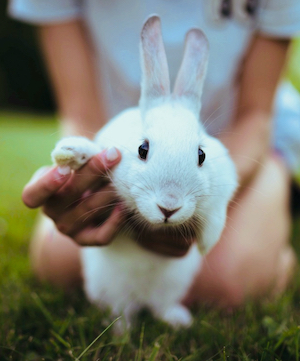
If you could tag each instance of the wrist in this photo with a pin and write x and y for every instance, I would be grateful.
(79, 127)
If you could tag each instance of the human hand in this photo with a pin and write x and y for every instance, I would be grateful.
(167, 242)
(82, 204)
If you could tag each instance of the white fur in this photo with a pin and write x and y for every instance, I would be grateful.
(72, 153)
(124, 276)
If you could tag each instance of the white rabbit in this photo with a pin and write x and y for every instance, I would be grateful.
(172, 175)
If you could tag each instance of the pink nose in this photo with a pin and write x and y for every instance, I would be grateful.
(168, 212)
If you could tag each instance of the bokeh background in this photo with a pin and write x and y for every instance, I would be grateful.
(24, 84)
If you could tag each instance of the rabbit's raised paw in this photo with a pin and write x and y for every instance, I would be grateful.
(72, 153)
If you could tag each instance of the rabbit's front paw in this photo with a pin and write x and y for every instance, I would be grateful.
(178, 316)
(72, 153)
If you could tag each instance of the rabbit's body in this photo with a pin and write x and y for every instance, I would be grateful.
(172, 175)
(125, 278)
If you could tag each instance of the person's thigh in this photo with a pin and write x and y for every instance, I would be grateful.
(253, 256)
(55, 257)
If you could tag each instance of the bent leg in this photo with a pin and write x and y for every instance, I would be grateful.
(253, 254)
(55, 257)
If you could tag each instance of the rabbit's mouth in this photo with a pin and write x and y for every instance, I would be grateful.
(189, 229)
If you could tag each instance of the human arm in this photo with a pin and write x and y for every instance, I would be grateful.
(248, 139)
(69, 58)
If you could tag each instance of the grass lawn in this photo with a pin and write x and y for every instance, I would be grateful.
(38, 322)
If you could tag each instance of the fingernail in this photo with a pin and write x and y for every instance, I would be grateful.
(111, 154)
(64, 170)
(60, 173)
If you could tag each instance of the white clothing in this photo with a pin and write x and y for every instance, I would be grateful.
(115, 27)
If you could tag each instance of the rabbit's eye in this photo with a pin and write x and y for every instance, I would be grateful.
(201, 157)
(143, 150)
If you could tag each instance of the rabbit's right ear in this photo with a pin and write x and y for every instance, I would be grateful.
(155, 73)
(191, 76)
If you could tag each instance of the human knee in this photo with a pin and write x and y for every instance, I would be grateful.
(54, 257)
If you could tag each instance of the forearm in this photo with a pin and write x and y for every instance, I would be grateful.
(248, 142)
(70, 62)
(248, 139)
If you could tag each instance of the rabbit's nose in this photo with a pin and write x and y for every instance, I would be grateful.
(168, 212)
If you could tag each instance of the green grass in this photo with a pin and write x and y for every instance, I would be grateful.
(38, 322)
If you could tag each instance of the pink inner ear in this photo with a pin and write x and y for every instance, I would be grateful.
(191, 75)
(151, 30)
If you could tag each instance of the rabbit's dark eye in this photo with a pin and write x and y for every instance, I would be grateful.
(143, 150)
(201, 157)
(226, 8)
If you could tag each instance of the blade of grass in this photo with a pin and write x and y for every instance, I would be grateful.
(297, 343)
(138, 356)
(60, 339)
(155, 351)
(42, 307)
(292, 332)
(96, 339)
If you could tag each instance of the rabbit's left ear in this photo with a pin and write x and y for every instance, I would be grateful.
(155, 73)
(191, 75)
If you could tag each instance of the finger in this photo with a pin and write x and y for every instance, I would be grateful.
(90, 176)
(104, 234)
(92, 207)
(44, 183)
(39, 173)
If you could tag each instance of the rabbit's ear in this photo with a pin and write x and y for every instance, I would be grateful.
(155, 72)
(190, 79)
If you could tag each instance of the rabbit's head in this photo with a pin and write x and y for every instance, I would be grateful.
(179, 176)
